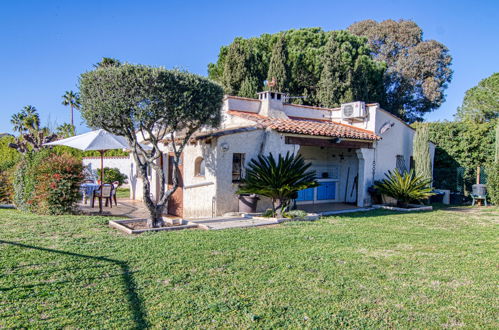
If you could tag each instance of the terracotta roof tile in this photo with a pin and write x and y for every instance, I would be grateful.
(305, 126)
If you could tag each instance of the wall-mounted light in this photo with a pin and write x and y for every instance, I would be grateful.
(224, 146)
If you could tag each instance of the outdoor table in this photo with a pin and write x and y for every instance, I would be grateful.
(87, 189)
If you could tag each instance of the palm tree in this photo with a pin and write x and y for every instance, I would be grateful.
(31, 118)
(279, 180)
(73, 100)
(17, 120)
(65, 130)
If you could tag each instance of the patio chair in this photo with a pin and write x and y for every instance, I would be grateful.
(116, 184)
(105, 192)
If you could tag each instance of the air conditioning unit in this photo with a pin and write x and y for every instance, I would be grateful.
(353, 111)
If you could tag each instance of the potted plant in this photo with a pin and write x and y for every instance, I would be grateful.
(404, 187)
(279, 179)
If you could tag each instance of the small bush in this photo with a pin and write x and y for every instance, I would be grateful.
(268, 213)
(112, 174)
(6, 188)
(24, 178)
(58, 179)
(493, 183)
(295, 214)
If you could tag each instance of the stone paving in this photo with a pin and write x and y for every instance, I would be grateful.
(134, 209)
(126, 208)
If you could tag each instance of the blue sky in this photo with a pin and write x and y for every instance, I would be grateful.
(45, 45)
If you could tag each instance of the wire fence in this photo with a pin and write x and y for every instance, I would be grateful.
(458, 179)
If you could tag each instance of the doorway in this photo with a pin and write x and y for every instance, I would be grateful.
(176, 201)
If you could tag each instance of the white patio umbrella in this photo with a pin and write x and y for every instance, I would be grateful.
(100, 140)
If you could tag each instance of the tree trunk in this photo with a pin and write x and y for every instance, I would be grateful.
(278, 208)
(155, 219)
(71, 107)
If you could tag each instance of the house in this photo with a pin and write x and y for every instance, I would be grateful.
(349, 148)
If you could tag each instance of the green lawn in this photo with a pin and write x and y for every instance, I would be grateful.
(123, 193)
(369, 270)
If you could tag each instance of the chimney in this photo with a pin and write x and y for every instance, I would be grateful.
(272, 104)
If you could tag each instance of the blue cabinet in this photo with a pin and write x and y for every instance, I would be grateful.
(305, 195)
(326, 191)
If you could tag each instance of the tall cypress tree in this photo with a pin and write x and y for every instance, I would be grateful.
(278, 66)
(421, 151)
(236, 67)
(497, 141)
(333, 79)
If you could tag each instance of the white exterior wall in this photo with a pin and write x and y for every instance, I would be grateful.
(242, 104)
(293, 110)
(396, 141)
(251, 144)
(199, 190)
(122, 163)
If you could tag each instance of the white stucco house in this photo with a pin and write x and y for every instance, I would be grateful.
(349, 148)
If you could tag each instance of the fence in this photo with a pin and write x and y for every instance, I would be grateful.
(458, 179)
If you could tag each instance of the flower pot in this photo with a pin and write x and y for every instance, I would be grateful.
(388, 200)
(248, 203)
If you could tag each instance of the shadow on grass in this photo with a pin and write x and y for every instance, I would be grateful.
(134, 302)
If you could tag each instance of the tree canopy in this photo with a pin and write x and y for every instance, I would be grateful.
(150, 105)
(481, 103)
(418, 71)
(387, 62)
(295, 58)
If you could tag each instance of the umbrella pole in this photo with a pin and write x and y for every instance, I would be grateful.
(101, 176)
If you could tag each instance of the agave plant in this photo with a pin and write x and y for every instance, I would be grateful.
(405, 187)
(279, 179)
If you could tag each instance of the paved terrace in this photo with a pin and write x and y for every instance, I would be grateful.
(134, 209)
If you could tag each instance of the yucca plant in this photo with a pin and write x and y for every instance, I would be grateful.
(279, 179)
(405, 187)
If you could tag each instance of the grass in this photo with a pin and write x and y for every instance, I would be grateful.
(365, 270)
(123, 193)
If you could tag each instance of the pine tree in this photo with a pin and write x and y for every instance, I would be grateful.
(421, 152)
(278, 67)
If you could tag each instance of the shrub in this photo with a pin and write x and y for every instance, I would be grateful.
(24, 178)
(405, 188)
(493, 182)
(6, 189)
(269, 213)
(112, 174)
(295, 214)
(57, 184)
(8, 156)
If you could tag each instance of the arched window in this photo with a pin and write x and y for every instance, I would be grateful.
(199, 167)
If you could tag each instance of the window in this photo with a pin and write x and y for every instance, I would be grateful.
(199, 167)
(237, 167)
(401, 164)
